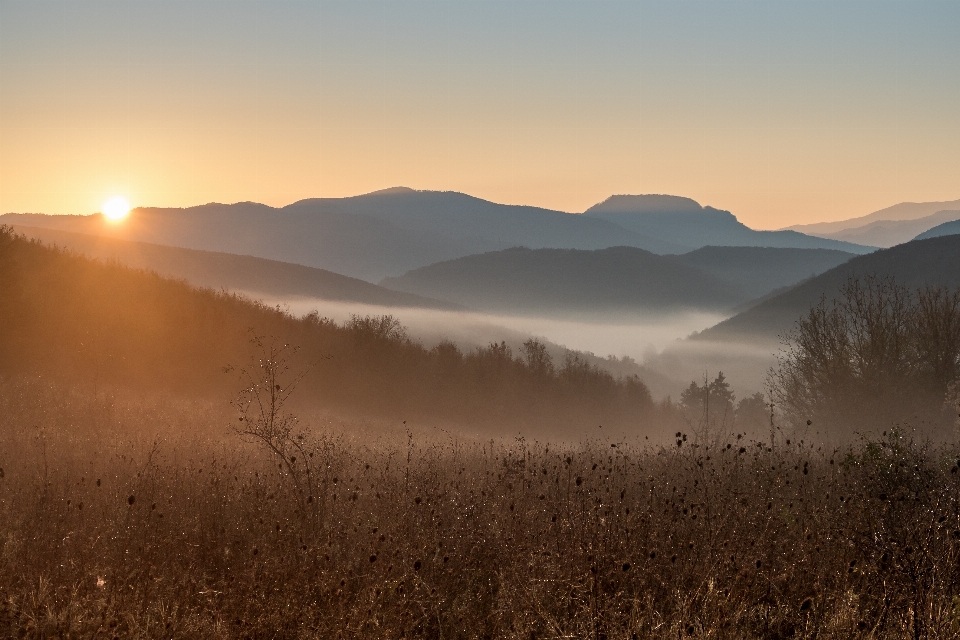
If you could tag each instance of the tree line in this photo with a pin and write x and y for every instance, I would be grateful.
(100, 324)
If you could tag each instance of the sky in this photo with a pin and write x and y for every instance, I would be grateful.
(782, 112)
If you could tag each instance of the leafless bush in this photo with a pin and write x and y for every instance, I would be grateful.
(262, 414)
(878, 356)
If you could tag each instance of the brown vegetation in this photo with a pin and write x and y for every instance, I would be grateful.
(122, 518)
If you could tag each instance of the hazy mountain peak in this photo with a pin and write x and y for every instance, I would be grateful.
(646, 203)
(391, 191)
(902, 212)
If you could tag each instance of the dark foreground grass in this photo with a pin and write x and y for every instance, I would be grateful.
(126, 520)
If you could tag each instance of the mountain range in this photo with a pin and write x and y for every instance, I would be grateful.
(254, 276)
(685, 222)
(886, 227)
(615, 281)
(390, 232)
(551, 281)
(933, 261)
(887, 233)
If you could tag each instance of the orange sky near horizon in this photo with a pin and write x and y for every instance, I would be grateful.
(810, 112)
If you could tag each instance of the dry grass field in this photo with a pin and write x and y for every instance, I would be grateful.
(126, 517)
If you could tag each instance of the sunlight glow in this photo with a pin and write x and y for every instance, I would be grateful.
(116, 208)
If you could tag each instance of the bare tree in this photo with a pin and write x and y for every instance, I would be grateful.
(878, 355)
(938, 334)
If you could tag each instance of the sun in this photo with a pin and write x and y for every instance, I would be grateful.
(116, 208)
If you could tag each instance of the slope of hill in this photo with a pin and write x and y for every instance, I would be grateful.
(757, 271)
(390, 232)
(684, 221)
(887, 233)
(603, 281)
(230, 271)
(88, 326)
(351, 244)
(935, 261)
(945, 229)
(898, 212)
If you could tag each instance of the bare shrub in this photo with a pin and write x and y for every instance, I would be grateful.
(262, 414)
(878, 356)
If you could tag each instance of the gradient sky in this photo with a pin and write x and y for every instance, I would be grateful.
(782, 112)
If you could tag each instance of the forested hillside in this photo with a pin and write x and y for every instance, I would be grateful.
(96, 325)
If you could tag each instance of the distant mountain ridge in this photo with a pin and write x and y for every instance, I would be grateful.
(484, 223)
(390, 232)
(550, 281)
(760, 270)
(933, 261)
(897, 213)
(255, 276)
(684, 221)
(618, 280)
(887, 233)
(356, 245)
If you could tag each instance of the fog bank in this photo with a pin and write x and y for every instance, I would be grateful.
(657, 343)
(645, 336)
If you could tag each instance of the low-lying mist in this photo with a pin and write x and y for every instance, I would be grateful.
(638, 339)
(655, 342)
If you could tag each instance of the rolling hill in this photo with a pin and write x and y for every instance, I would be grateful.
(255, 276)
(684, 221)
(934, 261)
(551, 281)
(390, 232)
(945, 229)
(614, 281)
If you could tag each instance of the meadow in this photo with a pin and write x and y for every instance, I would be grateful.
(128, 516)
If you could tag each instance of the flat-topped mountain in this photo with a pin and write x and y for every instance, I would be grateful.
(685, 221)
(483, 224)
(387, 233)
